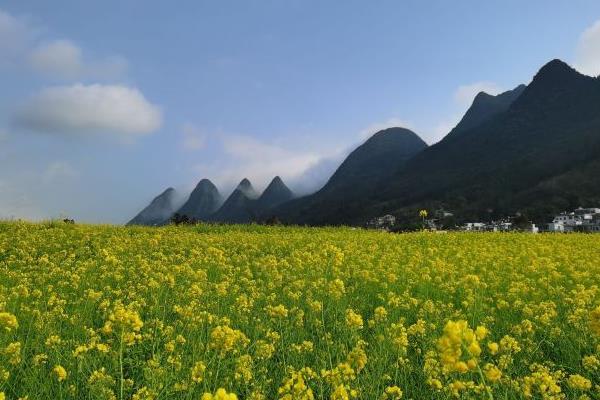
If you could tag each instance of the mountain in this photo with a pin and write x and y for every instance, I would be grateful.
(204, 200)
(485, 107)
(534, 150)
(240, 206)
(275, 194)
(354, 183)
(520, 160)
(158, 211)
(247, 189)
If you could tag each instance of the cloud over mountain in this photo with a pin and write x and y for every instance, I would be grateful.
(587, 59)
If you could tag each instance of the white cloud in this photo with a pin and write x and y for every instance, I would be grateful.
(59, 171)
(587, 54)
(15, 35)
(84, 109)
(64, 59)
(465, 94)
(244, 156)
(193, 138)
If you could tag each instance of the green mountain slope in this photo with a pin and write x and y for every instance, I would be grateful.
(354, 183)
(550, 130)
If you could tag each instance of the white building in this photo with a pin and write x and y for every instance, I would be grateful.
(580, 220)
(385, 222)
(474, 226)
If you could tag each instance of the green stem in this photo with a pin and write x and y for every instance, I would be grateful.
(487, 389)
(121, 365)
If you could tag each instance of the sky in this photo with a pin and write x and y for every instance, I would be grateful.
(106, 104)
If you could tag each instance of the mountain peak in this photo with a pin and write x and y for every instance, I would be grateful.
(555, 73)
(276, 193)
(557, 65)
(393, 131)
(484, 107)
(203, 201)
(204, 182)
(244, 183)
(555, 79)
(158, 211)
(395, 136)
(482, 96)
(246, 188)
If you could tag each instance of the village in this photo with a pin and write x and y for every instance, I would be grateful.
(581, 219)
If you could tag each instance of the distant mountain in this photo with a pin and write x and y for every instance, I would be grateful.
(246, 187)
(354, 182)
(239, 207)
(485, 107)
(521, 160)
(275, 194)
(158, 211)
(533, 150)
(204, 200)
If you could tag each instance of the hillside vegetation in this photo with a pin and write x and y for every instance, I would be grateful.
(254, 312)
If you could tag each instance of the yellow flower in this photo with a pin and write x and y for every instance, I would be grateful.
(295, 387)
(144, 393)
(8, 321)
(220, 394)
(578, 382)
(590, 363)
(263, 350)
(225, 339)
(243, 369)
(357, 358)
(492, 373)
(481, 332)
(126, 322)
(337, 288)
(340, 393)
(198, 372)
(60, 372)
(392, 393)
(13, 352)
(457, 341)
(53, 340)
(543, 383)
(380, 314)
(353, 319)
(278, 311)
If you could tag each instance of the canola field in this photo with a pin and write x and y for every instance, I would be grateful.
(252, 312)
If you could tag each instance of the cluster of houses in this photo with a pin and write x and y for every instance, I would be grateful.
(497, 226)
(579, 220)
(385, 222)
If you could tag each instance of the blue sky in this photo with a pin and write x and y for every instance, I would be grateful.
(105, 104)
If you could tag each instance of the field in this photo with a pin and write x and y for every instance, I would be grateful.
(100, 312)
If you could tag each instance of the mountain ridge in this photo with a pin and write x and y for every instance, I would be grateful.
(203, 201)
(515, 152)
(160, 209)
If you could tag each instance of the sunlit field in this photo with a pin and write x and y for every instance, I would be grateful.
(253, 312)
